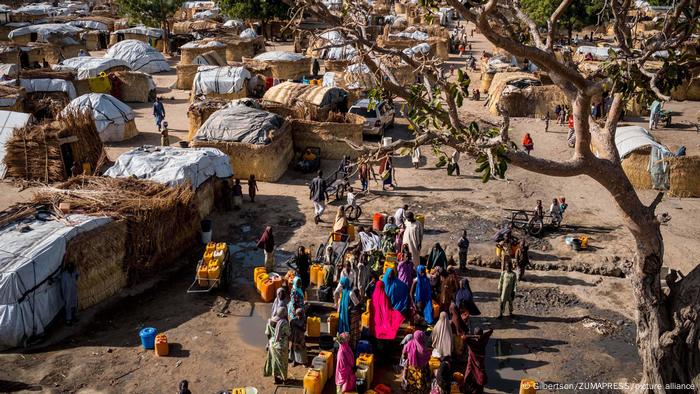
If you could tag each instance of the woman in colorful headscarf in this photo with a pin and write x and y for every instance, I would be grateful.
(466, 297)
(282, 299)
(298, 339)
(448, 288)
(405, 269)
(344, 374)
(342, 299)
(416, 374)
(277, 331)
(442, 336)
(297, 297)
(421, 295)
(396, 290)
(385, 321)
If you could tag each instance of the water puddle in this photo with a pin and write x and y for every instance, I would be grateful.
(251, 330)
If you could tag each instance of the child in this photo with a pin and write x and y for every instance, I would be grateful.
(164, 137)
(528, 144)
(252, 187)
(351, 197)
(237, 194)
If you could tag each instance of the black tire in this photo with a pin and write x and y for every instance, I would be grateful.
(519, 219)
(535, 227)
(353, 212)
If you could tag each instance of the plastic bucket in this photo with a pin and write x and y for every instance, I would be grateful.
(386, 141)
(148, 337)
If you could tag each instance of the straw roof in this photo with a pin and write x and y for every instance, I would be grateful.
(289, 93)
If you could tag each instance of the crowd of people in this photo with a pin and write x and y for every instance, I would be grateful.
(425, 297)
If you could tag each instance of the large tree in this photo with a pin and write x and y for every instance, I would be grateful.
(154, 13)
(578, 15)
(262, 10)
(668, 329)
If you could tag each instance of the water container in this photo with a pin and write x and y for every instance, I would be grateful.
(421, 219)
(214, 271)
(458, 377)
(321, 364)
(386, 141)
(256, 272)
(203, 275)
(389, 264)
(366, 360)
(313, 327)
(363, 347)
(333, 323)
(378, 221)
(382, 389)
(312, 382)
(267, 290)
(434, 364)
(351, 233)
(321, 277)
(365, 319)
(148, 337)
(211, 247)
(313, 273)
(260, 279)
(206, 237)
(528, 386)
(161, 345)
(329, 361)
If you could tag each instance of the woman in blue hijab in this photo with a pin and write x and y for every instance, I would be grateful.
(344, 305)
(296, 300)
(396, 290)
(421, 294)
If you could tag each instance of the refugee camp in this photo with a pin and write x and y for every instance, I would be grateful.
(350, 197)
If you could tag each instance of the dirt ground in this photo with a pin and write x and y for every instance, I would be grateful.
(573, 324)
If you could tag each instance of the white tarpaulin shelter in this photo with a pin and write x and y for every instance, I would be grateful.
(248, 33)
(9, 121)
(89, 67)
(141, 30)
(198, 4)
(172, 166)
(88, 24)
(422, 48)
(413, 35)
(630, 138)
(221, 80)
(10, 70)
(48, 85)
(206, 44)
(139, 55)
(598, 53)
(239, 123)
(280, 55)
(30, 268)
(110, 114)
(45, 31)
(234, 23)
(36, 9)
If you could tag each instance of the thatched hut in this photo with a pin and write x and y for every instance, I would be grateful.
(48, 91)
(414, 36)
(191, 50)
(114, 120)
(237, 47)
(281, 65)
(326, 134)
(258, 142)
(315, 102)
(133, 86)
(522, 95)
(149, 35)
(12, 98)
(187, 72)
(199, 111)
(47, 151)
(648, 164)
(227, 82)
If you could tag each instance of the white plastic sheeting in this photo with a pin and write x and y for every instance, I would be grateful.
(172, 166)
(30, 268)
(234, 23)
(46, 30)
(139, 55)
(9, 121)
(48, 85)
(208, 14)
(280, 55)
(248, 33)
(226, 79)
(598, 53)
(630, 138)
(414, 35)
(89, 25)
(89, 67)
(422, 48)
(8, 69)
(239, 123)
(110, 114)
(198, 4)
(142, 30)
(203, 44)
(36, 9)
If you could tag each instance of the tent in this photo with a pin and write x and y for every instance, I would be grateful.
(90, 67)
(48, 85)
(172, 166)
(45, 31)
(89, 24)
(220, 80)
(239, 123)
(139, 56)
(30, 268)
(9, 121)
(630, 138)
(114, 120)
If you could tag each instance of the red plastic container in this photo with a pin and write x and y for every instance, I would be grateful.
(378, 221)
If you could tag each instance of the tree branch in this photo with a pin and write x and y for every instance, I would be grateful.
(553, 23)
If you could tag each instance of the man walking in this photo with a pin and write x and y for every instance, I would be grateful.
(506, 288)
(318, 195)
(158, 112)
(463, 246)
(364, 175)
